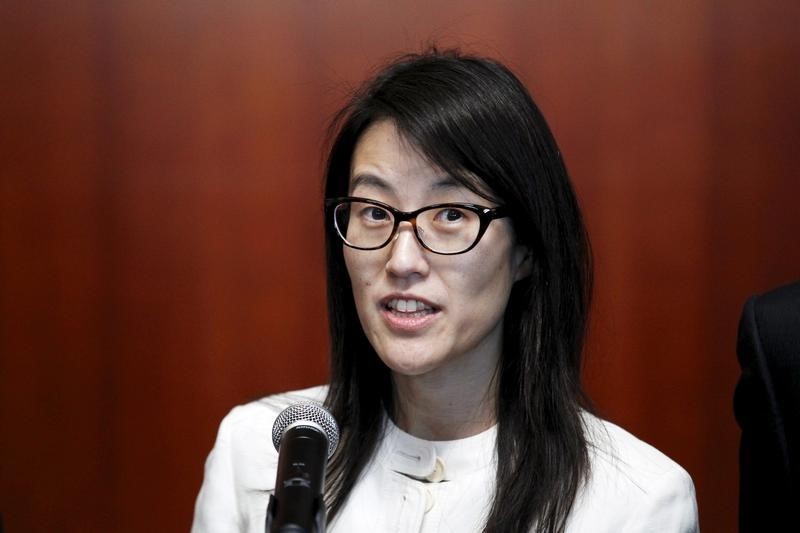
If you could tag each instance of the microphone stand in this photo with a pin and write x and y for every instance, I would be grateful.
(297, 505)
(319, 520)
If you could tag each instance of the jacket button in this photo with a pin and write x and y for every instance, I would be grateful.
(438, 472)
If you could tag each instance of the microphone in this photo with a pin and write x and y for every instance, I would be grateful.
(305, 435)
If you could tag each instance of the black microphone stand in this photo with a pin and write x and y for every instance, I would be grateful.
(298, 506)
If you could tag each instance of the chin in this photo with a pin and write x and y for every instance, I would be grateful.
(410, 366)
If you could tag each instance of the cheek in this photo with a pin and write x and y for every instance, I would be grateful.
(489, 288)
(486, 286)
(358, 270)
(494, 263)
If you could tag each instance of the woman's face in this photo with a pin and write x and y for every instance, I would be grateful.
(422, 312)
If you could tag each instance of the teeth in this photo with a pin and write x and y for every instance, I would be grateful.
(408, 306)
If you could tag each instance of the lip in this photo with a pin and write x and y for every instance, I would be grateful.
(407, 296)
(412, 323)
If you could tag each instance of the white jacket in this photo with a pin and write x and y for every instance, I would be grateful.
(413, 485)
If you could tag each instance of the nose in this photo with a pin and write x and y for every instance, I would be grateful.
(407, 256)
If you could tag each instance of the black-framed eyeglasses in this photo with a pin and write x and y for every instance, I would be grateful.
(447, 229)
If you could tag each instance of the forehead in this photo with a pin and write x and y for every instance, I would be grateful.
(382, 152)
(384, 162)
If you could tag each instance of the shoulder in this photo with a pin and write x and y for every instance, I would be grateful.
(769, 329)
(240, 470)
(617, 451)
(786, 296)
(246, 431)
(244, 441)
(632, 485)
(259, 415)
(269, 407)
(778, 309)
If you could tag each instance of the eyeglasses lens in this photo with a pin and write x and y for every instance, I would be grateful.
(443, 229)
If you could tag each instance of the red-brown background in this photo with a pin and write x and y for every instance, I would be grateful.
(153, 151)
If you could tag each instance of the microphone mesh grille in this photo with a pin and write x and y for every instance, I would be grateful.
(306, 412)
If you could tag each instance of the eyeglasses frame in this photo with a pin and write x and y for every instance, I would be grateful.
(485, 214)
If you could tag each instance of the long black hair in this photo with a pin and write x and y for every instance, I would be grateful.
(472, 118)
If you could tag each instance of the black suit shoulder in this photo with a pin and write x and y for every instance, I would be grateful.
(777, 316)
(767, 407)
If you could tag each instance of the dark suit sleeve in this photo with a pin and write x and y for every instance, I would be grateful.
(766, 410)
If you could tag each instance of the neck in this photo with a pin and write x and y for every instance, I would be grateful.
(441, 407)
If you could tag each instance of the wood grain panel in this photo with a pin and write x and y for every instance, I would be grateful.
(160, 225)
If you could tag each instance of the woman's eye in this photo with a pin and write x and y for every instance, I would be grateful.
(373, 213)
(449, 215)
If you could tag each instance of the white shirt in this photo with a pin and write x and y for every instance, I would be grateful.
(414, 485)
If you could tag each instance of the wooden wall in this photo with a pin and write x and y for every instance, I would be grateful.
(151, 152)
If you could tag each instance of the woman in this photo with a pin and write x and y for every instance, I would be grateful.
(459, 278)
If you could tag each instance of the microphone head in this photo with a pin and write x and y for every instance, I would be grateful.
(308, 414)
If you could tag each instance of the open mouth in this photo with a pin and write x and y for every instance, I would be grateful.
(408, 308)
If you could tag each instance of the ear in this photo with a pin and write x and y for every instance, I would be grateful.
(523, 262)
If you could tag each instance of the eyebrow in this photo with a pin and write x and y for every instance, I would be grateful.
(371, 180)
